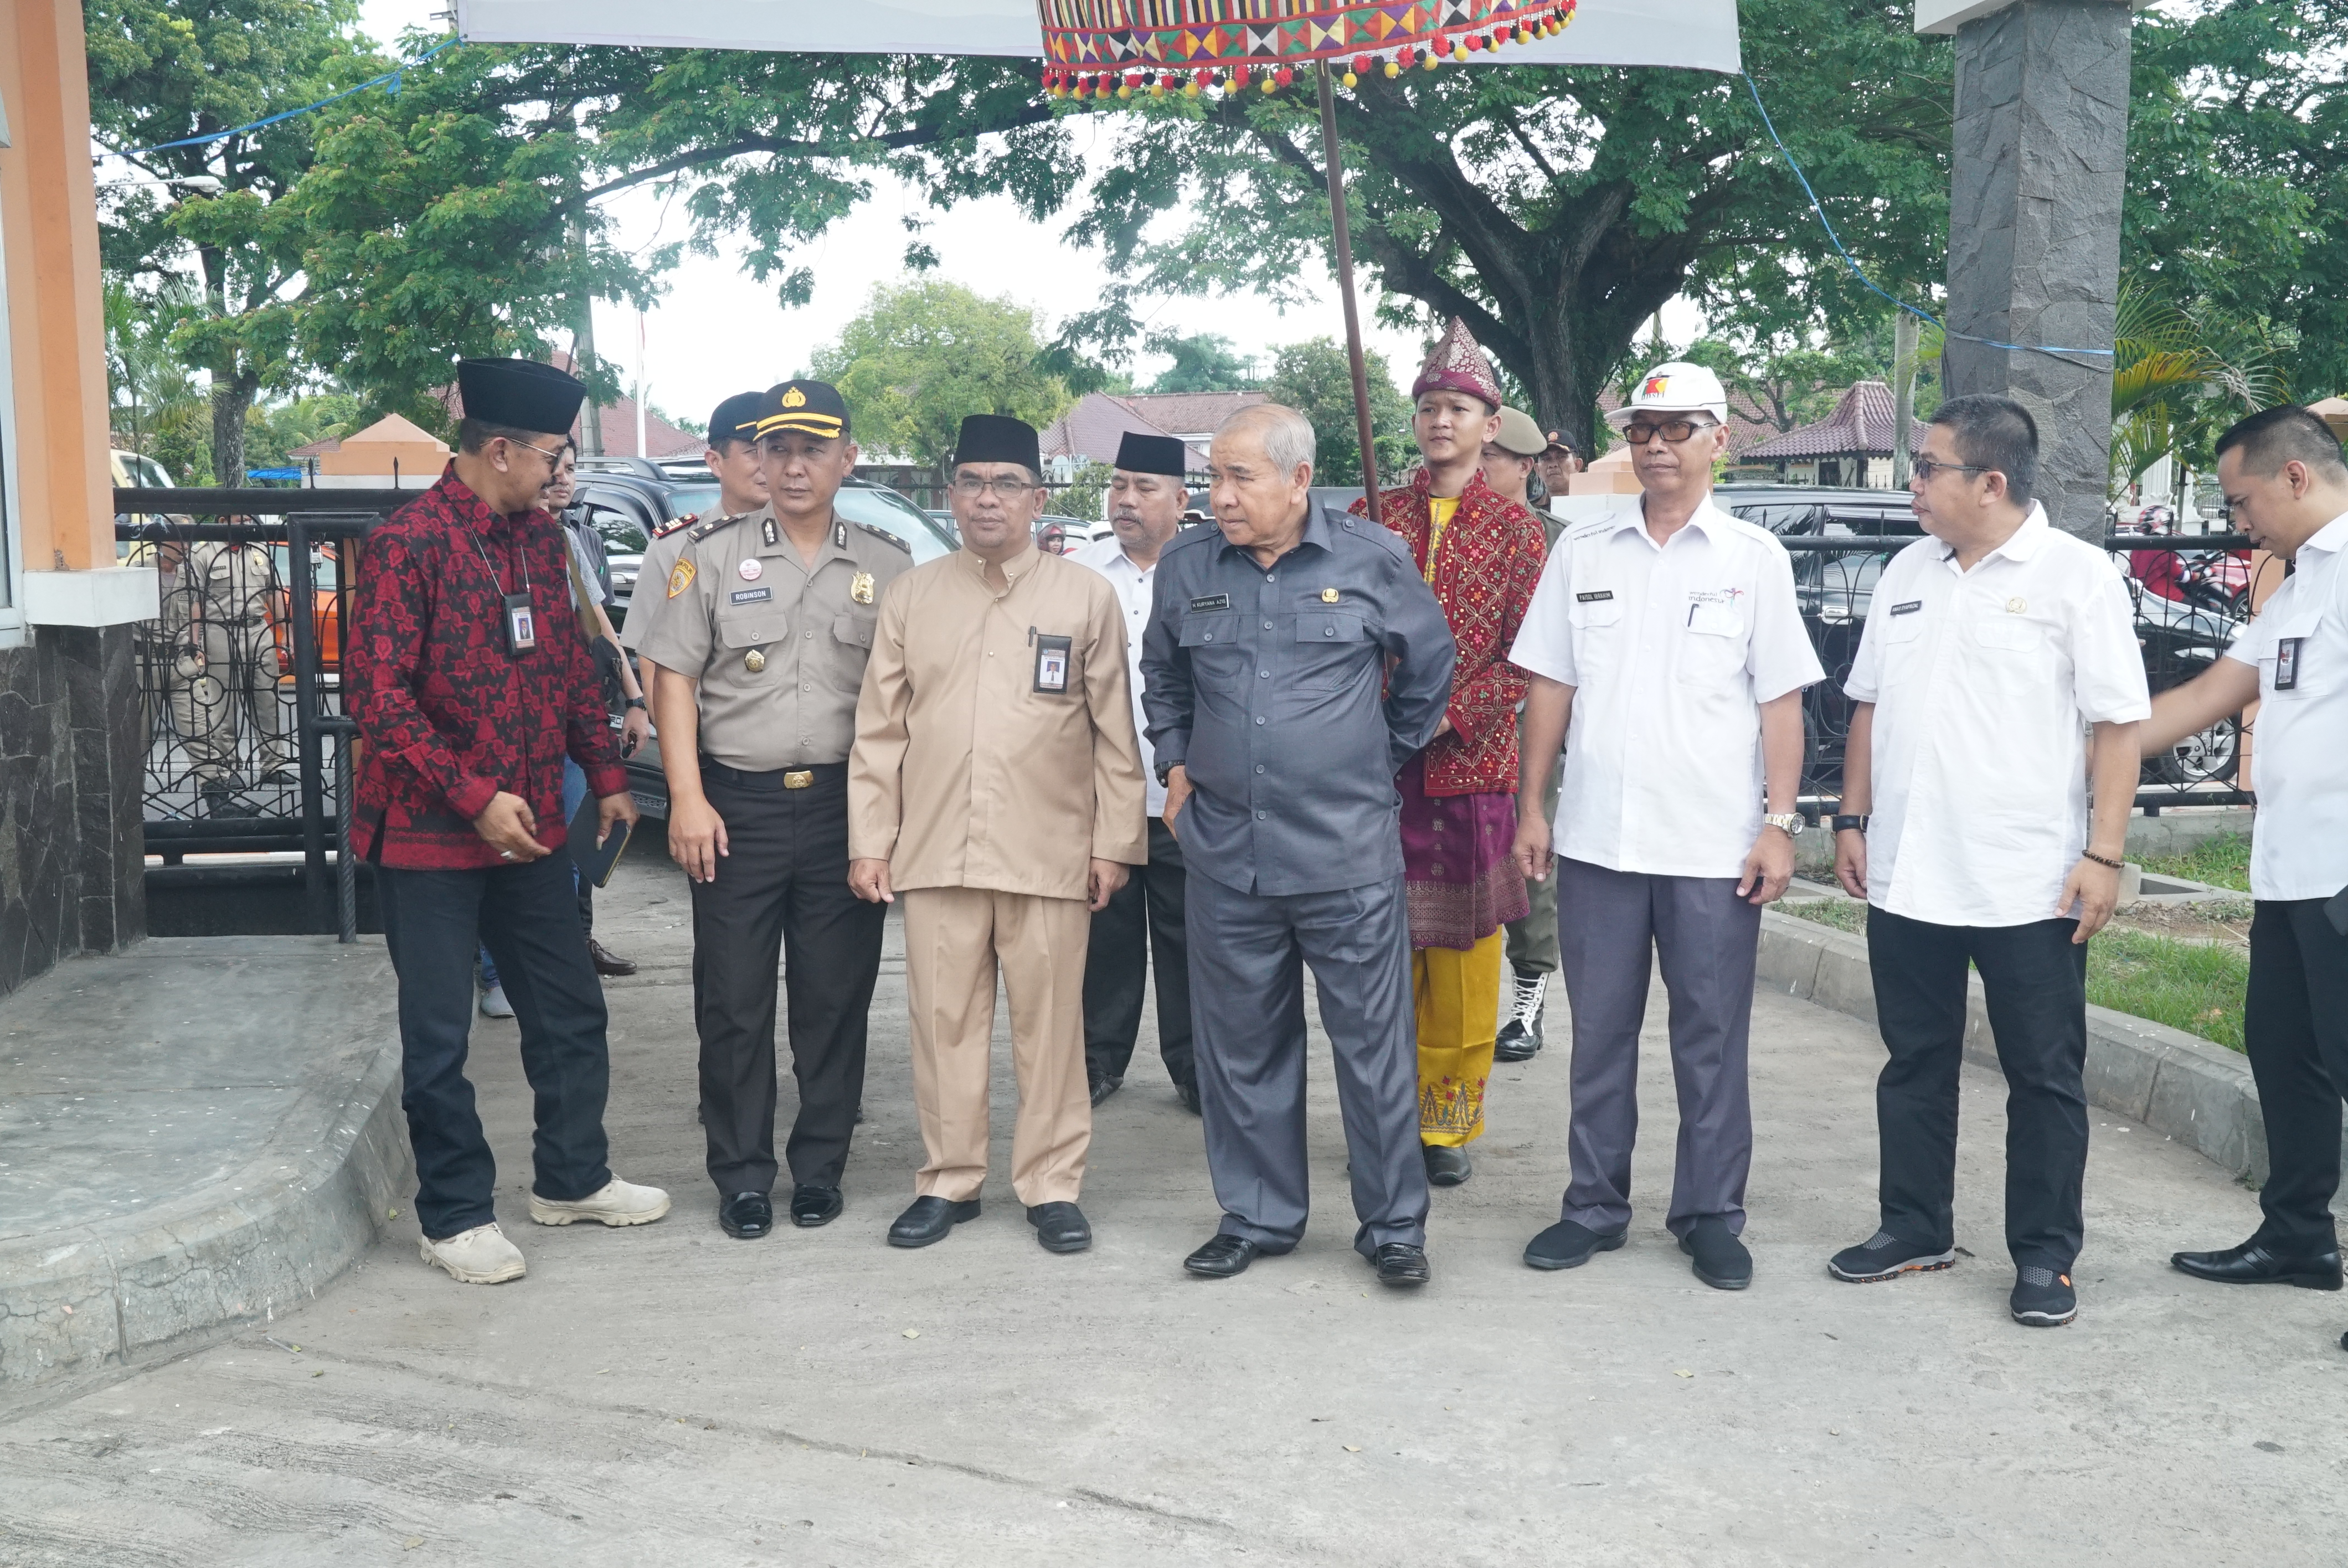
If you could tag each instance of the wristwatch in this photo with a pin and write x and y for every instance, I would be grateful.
(1164, 768)
(638, 702)
(1851, 825)
(1789, 823)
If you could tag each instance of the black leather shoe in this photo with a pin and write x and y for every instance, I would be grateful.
(929, 1219)
(606, 961)
(1721, 1260)
(2256, 1263)
(1223, 1256)
(1103, 1087)
(813, 1206)
(1569, 1245)
(1061, 1228)
(1445, 1166)
(746, 1217)
(1401, 1265)
(1188, 1093)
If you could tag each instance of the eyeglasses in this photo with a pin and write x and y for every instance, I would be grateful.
(970, 486)
(1672, 430)
(553, 458)
(1925, 467)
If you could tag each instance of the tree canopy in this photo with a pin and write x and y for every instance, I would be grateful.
(922, 354)
(1314, 378)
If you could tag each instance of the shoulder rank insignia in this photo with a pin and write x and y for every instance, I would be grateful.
(767, 532)
(673, 524)
(712, 525)
(1328, 596)
(840, 534)
(861, 588)
(680, 577)
(882, 534)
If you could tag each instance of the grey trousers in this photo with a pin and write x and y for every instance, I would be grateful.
(1707, 939)
(1248, 953)
(1532, 941)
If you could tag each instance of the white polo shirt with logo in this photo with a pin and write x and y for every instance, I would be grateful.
(2299, 759)
(1984, 684)
(1671, 650)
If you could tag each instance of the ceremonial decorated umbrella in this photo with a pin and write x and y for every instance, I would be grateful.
(1102, 49)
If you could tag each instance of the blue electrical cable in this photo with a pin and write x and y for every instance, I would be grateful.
(392, 77)
(1828, 224)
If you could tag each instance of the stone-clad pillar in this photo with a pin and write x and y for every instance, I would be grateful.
(2039, 168)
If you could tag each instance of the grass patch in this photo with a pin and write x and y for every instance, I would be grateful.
(2221, 862)
(2192, 986)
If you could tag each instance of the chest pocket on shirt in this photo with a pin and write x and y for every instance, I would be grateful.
(2007, 635)
(1597, 632)
(1212, 640)
(854, 630)
(1329, 653)
(1712, 644)
(751, 625)
(2311, 666)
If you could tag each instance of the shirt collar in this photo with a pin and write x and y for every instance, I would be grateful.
(1316, 533)
(473, 511)
(1017, 566)
(2332, 537)
(1706, 518)
(2020, 546)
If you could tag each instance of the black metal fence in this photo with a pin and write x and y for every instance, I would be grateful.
(2191, 596)
(249, 751)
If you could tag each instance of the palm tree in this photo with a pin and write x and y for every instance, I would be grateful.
(2180, 375)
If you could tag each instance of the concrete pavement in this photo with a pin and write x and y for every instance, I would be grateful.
(666, 1395)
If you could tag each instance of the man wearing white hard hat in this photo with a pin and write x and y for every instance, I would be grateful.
(1666, 652)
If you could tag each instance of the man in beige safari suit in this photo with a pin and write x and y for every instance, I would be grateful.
(995, 784)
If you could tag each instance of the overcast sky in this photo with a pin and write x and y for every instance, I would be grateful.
(718, 332)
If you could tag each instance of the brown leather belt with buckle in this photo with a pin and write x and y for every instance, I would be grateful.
(798, 778)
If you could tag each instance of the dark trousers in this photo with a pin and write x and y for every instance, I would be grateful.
(2034, 980)
(2295, 1033)
(1707, 939)
(1143, 919)
(528, 916)
(1248, 953)
(781, 892)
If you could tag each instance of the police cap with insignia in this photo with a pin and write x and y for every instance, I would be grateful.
(810, 407)
(998, 438)
(520, 394)
(1139, 454)
(736, 418)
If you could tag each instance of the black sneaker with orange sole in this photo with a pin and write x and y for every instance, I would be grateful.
(2043, 1298)
(1886, 1256)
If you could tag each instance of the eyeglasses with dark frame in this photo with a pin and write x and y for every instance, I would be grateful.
(971, 486)
(1672, 430)
(1925, 467)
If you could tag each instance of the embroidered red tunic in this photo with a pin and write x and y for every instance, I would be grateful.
(448, 717)
(1484, 573)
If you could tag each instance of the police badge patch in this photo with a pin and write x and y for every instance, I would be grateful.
(861, 590)
(680, 578)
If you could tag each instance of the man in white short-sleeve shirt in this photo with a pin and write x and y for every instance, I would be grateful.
(1990, 648)
(1144, 920)
(2287, 488)
(1667, 652)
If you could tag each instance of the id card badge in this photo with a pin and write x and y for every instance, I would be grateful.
(1052, 662)
(521, 625)
(2286, 677)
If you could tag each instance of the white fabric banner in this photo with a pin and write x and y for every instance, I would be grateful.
(1697, 35)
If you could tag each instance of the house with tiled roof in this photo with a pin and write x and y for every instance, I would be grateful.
(1091, 430)
(1851, 445)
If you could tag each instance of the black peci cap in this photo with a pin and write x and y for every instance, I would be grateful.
(997, 438)
(736, 418)
(1139, 454)
(810, 407)
(520, 394)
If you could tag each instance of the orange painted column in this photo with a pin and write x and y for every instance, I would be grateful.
(55, 317)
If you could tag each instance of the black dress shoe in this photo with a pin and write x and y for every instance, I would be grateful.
(929, 1219)
(1223, 1256)
(1569, 1245)
(1401, 1265)
(1103, 1087)
(606, 961)
(1445, 1166)
(1186, 1091)
(1061, 1228)
(813, 1206)
(2256, 1263)
(747, 1216)
(1721, 1260)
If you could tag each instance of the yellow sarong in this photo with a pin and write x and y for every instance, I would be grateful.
(1457, 998)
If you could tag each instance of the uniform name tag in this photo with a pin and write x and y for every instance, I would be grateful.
(1909, 608)
(1601, 597)
(1052, 662)
(521, 625)
(1211, 601)
(751, 595)
(2287, 663)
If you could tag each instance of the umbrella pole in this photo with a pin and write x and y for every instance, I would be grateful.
(1334, 159)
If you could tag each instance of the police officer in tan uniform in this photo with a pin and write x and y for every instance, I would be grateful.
(761, 632)
(221, 642)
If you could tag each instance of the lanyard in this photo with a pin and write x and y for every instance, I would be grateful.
(518, 618)
(498, 582)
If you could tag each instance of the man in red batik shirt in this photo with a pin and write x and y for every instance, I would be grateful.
(1481, 553)
(470, 682)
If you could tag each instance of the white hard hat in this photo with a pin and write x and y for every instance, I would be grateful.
(1675, 387)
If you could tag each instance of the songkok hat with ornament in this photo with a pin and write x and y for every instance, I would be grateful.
(1459, 365)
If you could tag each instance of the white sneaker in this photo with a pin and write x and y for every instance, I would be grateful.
(481, 1256)
(494, 1003)
(618, 1204)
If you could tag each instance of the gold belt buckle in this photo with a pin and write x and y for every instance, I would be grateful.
(798, 778)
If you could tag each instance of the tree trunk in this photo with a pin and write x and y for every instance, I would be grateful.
(232, 398)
